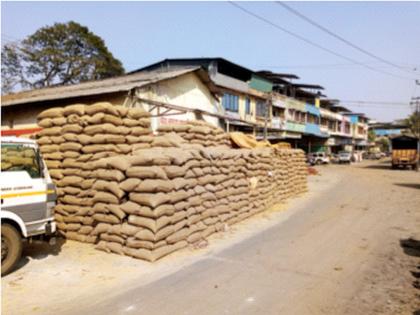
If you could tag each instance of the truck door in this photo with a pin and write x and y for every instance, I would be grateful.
(23, 185)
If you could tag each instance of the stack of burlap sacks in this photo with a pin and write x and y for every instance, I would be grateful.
(149, 195)
(71, 139)
(198, 132)
(167, 198)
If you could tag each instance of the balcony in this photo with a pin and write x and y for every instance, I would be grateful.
(295, 126)
(314, 129)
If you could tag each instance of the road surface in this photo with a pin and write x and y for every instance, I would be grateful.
(338, 252)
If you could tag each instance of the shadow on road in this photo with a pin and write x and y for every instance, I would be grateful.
(408, 185)
(379, 166)
(39, 250)
(411, 247)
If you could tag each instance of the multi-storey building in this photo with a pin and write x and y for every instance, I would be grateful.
(243, 93)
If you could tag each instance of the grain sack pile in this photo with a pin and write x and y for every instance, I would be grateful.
(294, 171)
(172, 197)
(145, 196)
(198, 132)
(72, 138)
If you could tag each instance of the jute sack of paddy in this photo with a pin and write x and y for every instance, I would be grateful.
(109, 186)
(153, 255)
(51, 113)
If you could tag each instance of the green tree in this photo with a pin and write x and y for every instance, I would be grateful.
(64, 53)
(413, 123)
(371, 135)
(383, 144)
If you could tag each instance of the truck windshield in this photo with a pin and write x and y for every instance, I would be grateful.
(17, 157)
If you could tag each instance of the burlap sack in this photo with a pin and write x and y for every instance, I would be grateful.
(112, 238)
(139, 253)
(106, 198)
(111, 175)
(139, 131)
(76, 109)
(101, 228)
(154, 185)
(70, 146)
(101, 107)
(106, 218)
(51, 113)
(151, 200)
(72, 128)
(109, 186)
(116, 121)
(145, 235)
(45, 123)
(74, 119)
(53, 164)
(151, 172)
(137, 113)
(134, 243)
(71, 155)
(53, 131)
(128, 229)
(129, 184)
(173, 171)
(122, 110)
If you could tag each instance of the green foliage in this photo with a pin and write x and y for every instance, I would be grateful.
(383, 144)
(413, 123)
(371, 136)
(65, 53)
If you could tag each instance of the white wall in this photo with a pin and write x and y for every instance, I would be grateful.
(187, 91)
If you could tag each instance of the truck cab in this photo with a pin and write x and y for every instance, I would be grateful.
(28, 197)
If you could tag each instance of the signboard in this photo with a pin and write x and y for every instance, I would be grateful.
(232, 114)
(331, 141)
(276, 122)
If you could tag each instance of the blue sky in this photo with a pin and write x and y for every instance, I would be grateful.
(140, 33)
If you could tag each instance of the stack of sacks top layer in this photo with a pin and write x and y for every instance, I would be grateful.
(198, 132)
(72, 138)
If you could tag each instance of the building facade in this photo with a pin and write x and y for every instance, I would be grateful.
(265, 104)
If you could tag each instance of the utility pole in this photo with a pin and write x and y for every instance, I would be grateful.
(267, 108)
(416, 102)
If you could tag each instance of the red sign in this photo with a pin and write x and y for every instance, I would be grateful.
(20, 132)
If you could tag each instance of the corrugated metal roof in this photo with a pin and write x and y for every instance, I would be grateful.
(117, 84)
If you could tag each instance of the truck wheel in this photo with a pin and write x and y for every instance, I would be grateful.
(11, 248)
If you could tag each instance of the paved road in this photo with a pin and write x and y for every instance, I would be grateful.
(314, 263)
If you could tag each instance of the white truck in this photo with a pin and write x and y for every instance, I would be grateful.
(28, 197)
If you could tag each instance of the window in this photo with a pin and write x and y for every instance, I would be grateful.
(17, 157)
(247, 106)
(261, 108)
(230, 102)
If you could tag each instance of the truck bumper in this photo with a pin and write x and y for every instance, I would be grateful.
(46, 226)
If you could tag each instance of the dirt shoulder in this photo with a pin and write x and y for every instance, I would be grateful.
(391, 280)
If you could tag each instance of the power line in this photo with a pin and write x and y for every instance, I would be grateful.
(376, 102)
(10, 37)
(336, 36)
(335, 65)
(308, 41)
(388, 107)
